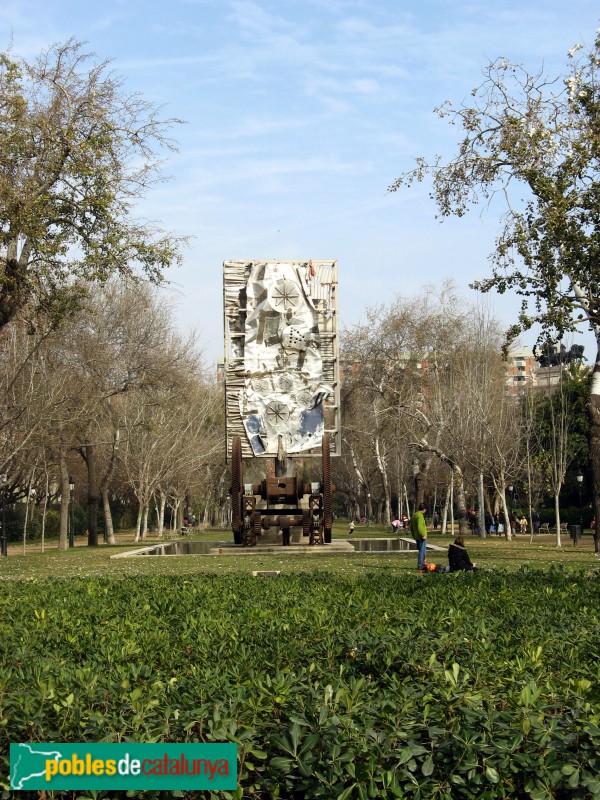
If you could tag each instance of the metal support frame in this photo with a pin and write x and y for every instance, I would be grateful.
(249, 532)
(315, 507)
(280, 501)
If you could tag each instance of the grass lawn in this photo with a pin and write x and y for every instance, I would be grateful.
(351, 675)
(491, 554)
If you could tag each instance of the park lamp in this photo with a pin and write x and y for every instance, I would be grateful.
(71, 484)
(511, 489)
(579, 478)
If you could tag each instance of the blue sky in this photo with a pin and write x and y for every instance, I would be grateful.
(299, 114)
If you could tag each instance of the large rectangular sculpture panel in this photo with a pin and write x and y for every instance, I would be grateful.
(281, 356)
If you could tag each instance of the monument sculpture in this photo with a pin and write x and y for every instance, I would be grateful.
(281, 393)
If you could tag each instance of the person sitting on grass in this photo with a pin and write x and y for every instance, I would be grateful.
(458, 558)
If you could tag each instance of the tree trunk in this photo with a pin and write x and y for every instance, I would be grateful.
(594, 416)
(417, 482)
(138, 524)
(179, 515)
(160, 512)
(25, 521)
(444, 527)
(557, 516)
(461, 503)
(45, 509)
(109, 533)
(108, 522)
(361, 482)
(482, 531)
(399, 476)
(452, 505)
(530, 508)
(63, 536)
(90, 461)
(381, 465)
(508, 523)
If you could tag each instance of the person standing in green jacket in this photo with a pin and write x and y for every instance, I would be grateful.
(418, 528)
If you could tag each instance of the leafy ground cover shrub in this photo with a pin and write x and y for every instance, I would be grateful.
(470, 686)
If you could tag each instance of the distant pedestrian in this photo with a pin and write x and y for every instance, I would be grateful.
(501, 523)
(436, 520)
(535, 521)
(523, 522)
(418, 528)
(473, 522)
(351, 526)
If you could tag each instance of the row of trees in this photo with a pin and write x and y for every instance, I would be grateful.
(92, 367)
(530, 146)
(115, 394)
(95, 367)
(427, 414)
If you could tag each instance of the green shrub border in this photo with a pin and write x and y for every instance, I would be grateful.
(470, 685)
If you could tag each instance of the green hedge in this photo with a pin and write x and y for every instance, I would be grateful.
(15, 520)
(450, 686)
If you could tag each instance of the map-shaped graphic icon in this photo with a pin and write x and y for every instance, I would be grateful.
(30, 762)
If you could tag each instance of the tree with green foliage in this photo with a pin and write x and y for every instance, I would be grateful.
(532, 143)
(76, 153)
(560, 429)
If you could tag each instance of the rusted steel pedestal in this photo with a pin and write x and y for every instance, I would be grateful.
(280, 501)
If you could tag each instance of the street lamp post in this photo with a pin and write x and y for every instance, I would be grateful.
(580, 482)
(579, 530)
(509, 527)
(71, 517)
(368, 509)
